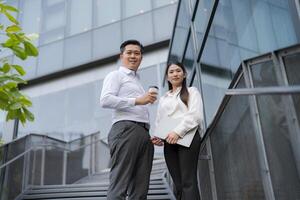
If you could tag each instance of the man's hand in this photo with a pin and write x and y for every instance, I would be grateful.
(172, 138)
(157, 141)
(146, 98)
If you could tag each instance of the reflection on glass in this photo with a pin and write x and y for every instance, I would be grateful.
(215, 81)
(107, 11)
(80, 21)
(132, 28)
(202, 15)
(136, 7)
(293, 73)
(282, 144)
(160, 3)
(189, 56)
(263, 74)
(78, 50)
(292, 68)
(31, 16)
(103, 45)
(181, 32)
(50, 58)
(163, 20)
(234, 151)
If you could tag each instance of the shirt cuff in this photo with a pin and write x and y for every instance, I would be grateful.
(131, 101)
(179, 132)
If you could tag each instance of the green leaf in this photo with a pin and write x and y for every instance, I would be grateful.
(13, 29)
(11, 114)
(30, 49)
(20, 52)
(28, 114)
(15, 106)
(10, 85)
(4, 96)
(19, 69)
(6, 68)
(10, 17)
(10, 8)
(10, 43)
(3, 104)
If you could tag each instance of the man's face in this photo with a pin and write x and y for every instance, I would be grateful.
(131, 57)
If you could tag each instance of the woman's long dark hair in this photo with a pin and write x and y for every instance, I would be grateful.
(184, 93)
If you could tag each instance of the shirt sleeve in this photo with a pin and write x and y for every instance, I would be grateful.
(109, 95)
(194, 116)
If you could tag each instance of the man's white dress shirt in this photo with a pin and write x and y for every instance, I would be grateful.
(119, 91)
(171, 105)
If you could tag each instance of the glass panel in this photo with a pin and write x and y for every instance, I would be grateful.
(189, 56)
(83, 21)
(51, 36)
(53, 2)
(78, 50)
(139, 27)
(281, 139)
(29, 66)
(263, 74)
(160, 3)
(293, 74)
(234, 151)
(202, 16)
(31, 16)
(78, 163)
(204, 172)
(107, 11)
(11, 177)
(292, 68)
(50, 58)
(35, 167)
(181, 32)
(54, 18)
(163, 22)
(80, 110)
(135, 7)
(215, 81)
(103, 46)
(53, 167)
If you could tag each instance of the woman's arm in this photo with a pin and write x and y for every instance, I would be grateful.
(194, 116)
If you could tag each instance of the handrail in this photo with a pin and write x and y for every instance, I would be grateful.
(241, 92)
(47, 145)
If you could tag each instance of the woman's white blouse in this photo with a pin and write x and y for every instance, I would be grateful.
(170, 104)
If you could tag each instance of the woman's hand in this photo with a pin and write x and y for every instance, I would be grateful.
(157, 141)
(172, 138)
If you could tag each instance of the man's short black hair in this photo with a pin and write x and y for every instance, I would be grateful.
(134, 42)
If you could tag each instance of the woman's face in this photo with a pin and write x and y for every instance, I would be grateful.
(175, 75)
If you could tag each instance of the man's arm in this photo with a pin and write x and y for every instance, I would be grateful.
(109, 94)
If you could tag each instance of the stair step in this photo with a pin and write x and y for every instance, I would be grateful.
(158, 197)
(85, 189)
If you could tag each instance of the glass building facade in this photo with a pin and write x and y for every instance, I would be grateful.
(251, 147)
(77, 35)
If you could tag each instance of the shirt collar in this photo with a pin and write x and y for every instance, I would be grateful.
(128, 71)
(170, 93)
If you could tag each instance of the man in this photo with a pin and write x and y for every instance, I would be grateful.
(129, 141)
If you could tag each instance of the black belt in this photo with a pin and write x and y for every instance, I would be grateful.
(142, 124)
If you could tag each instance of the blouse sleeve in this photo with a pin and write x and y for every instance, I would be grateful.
(194, 116)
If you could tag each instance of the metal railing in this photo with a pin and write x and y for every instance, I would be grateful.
(253, 143)
(41, 160)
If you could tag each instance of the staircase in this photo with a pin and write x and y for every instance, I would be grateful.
(95, 187)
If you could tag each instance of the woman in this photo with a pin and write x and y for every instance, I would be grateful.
(186, 103)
